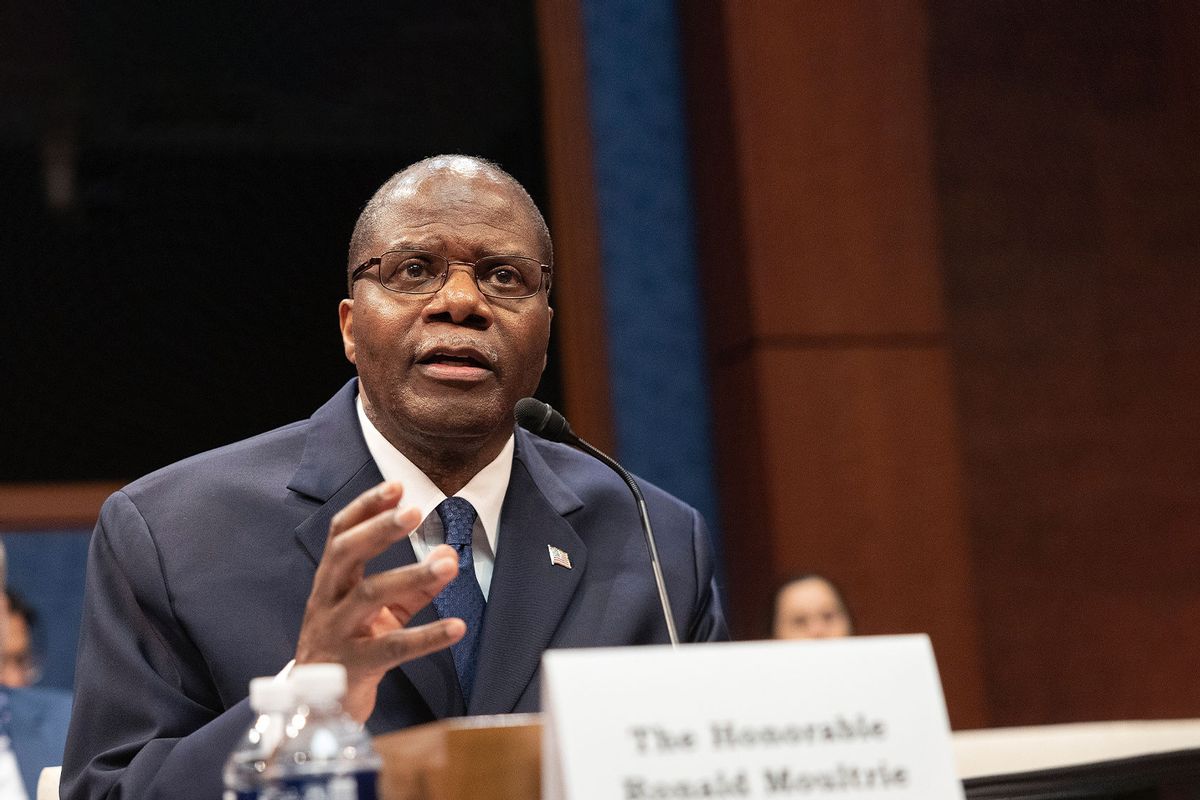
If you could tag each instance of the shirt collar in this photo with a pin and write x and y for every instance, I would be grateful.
(485, 491)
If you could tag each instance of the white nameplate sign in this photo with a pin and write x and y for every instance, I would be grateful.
(854, 719)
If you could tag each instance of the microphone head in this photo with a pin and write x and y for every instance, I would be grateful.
(537, 417)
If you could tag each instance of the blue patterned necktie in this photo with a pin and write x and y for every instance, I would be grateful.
(462, 597)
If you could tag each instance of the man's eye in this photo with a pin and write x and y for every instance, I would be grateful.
(411, 270)
(504, 276)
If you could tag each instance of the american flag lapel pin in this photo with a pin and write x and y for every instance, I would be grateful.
(559, 557)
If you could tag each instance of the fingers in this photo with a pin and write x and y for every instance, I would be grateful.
(404, 590)
(384, 652)
(363, 629)
(348, 549)
(365, 506)
(359, 621)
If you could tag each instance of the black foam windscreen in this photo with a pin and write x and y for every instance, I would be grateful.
(537, 417)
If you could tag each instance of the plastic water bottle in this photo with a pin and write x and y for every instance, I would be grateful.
(271, 700)
(325, 755)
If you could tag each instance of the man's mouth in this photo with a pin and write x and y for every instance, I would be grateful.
(453, 359)
(456, 363)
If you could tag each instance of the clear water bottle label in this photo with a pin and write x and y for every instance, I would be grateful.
(355, 786)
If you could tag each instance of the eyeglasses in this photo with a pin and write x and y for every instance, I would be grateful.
(421, 272)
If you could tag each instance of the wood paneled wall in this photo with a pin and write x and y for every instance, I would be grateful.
(52, 506)
(961, 375)
(578, 280)
(1070, 209)
(836, 436)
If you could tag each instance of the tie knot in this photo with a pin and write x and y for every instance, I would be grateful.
(458, 518)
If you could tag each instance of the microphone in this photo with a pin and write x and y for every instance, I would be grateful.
(540, 418)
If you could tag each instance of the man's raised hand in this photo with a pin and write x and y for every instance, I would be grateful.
(359, 621)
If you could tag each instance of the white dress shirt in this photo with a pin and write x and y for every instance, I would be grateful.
(485, 492)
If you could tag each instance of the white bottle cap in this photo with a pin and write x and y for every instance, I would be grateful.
(316, 683)
(271, 695)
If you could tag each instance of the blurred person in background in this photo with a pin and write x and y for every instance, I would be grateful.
(33, 722)
(21, 666)
(810, 606)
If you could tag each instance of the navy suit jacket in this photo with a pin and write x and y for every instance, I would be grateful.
(198, 576)
(38, 726)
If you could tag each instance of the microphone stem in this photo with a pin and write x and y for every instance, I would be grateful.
(658, 576)
(646, 529)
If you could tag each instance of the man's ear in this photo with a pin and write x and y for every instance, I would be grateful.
(549, 319)
(346, 322)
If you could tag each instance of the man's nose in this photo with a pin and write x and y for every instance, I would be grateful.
(820, 629)
(459, 300)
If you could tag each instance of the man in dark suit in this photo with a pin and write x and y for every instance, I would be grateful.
(322, 540)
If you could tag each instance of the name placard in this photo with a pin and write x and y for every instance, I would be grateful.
(859, 718)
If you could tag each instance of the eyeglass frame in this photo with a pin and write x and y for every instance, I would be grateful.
(547, 274)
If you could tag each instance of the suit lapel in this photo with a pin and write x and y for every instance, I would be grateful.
(529, 594)
(336, 468)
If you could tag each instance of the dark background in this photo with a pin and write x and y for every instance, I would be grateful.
(179, 289)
